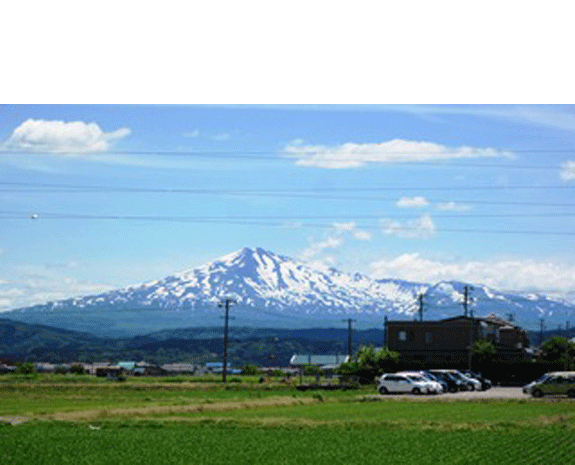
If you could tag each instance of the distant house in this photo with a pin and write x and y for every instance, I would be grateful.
(91, 368)
(127, 366)
(449, 341)
(7, 368)
(218, 367)
(180, 368)
(325, 362)
(112, 372)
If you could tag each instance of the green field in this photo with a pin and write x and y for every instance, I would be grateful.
(80, 420)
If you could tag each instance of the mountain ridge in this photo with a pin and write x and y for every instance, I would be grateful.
(274, 290)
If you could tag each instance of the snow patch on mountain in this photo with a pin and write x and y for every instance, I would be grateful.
(277, 285)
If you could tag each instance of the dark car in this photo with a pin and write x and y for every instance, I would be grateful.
(453, 384)
(485, 383)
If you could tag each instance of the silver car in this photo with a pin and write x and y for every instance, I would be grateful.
(404, 383)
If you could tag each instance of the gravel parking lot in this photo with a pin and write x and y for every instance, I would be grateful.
(493, 393)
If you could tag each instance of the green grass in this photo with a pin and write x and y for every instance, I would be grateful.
(155, 421)
(440, 413)
(213, 443)
(46, 394)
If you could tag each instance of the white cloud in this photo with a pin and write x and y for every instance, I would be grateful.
(62, 137)
(362, 235)
(514, 274)
(551, 116)
(41, 284)
(412, 202)
(352, 155)
(453, 207)
(419, 228)
(568, 171)
(215, 137)
(348, 226)
(316, 248)
(222, 136)
(351, 227)
(335, 239)
(194, 133)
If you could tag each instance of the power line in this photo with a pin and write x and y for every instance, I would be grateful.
(320, 196)
(342, 217)
(403, 228)
(55, 187)
(282, 156)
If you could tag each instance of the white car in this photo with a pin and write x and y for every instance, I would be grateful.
(405, 383)
(437, 388)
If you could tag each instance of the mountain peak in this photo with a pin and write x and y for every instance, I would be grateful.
(277, 288)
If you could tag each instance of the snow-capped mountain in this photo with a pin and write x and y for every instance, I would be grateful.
(276, 291)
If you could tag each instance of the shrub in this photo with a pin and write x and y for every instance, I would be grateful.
(77, 369)
(25, 368)
(368, 364)
(251, 370)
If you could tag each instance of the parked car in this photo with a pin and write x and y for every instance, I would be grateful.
(472, 384)
(485, 383)
(454, 384)
(554, 383)
(444, 382)
(437, 386)
(404, 383)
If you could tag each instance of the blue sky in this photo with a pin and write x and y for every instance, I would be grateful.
(98, 197)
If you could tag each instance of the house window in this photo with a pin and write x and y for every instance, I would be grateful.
(402, 336)
(428, 338)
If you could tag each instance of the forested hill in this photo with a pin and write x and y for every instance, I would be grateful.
(23, 342)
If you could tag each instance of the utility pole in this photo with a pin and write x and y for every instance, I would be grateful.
(466, 290)
(385, 331)
(466, 310)
(349, 336)
(420, 307)
(541, 326)
(226, 304)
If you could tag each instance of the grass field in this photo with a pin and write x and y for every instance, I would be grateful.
(81, 420)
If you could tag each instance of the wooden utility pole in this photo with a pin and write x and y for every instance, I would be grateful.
(349, 336)
(467, 311)
(226, 304)
(420, 307)
(385, 331)
(466, 290)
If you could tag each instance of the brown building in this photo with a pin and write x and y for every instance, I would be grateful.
(448, 341)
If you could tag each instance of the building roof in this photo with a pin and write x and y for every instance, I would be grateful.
(490, 319)
(127, 365)
(319, 360)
